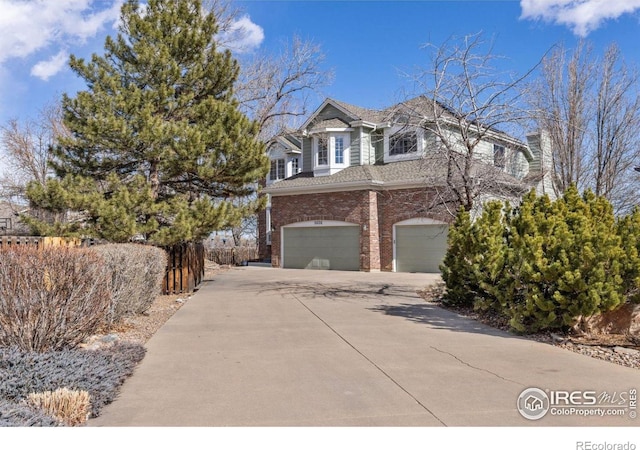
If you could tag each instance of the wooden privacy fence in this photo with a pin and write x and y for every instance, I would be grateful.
(40, 241)
(185, 267)
(232, 256)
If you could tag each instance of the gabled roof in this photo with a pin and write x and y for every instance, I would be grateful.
(290, 142)
(420, 109)
(360, 113)
(355, 113)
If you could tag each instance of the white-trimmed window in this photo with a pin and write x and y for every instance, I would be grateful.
(295, 166)
(277, 170)
(498, 156)
(331, 152)
(338, 149)
(323, 151)
(403, 142)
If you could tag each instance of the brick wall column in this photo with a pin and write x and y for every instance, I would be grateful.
(370, 233)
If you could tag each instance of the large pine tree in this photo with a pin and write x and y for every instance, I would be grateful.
(157, 132)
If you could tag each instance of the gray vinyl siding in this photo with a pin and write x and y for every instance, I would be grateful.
(484, 151)
(378, 146)
(356, 147)
(430, 142)
(307, 155)
(367, 151)
(517, 164)
(331, 112)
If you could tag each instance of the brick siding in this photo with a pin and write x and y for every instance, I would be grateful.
(374, 211)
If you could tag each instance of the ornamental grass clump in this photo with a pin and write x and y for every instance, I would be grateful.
(51, 299)
(71, 407)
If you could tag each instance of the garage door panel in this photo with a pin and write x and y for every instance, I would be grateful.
(335, 248)
(420, 248)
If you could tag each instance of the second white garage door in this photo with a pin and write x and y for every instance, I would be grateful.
(321, 247)
(420, 248)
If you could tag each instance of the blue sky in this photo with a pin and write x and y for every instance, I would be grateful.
(370, 44)
(367, 43)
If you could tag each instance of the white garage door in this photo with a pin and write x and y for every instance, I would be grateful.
(420, 248)
(329, 247)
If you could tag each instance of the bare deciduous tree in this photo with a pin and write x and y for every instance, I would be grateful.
(275, 90)
(469, 102)
(26, 148)
(227, 15)
(617, 119)
(590, 107)
(559, 103)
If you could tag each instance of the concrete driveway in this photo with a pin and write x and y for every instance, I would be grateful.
(262, 347)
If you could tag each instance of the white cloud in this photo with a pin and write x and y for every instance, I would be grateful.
(29, 26)
(582, 16)
(46, 69)
(242, 36)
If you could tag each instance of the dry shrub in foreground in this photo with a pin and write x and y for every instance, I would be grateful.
(136, 277)
(68, 406)
(51, 299)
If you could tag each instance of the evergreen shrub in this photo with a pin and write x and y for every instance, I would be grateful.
(545, 265)
(629, 232)
(457, 268)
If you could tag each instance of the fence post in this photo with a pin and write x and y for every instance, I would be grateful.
(185, 268)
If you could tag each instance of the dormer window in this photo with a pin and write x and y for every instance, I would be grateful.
(403, 142)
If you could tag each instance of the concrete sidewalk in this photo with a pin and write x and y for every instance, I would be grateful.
(261, 347)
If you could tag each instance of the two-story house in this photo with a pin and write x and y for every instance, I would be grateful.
(361, 189)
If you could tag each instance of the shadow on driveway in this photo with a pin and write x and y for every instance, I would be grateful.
(439, 318)
(335, 291)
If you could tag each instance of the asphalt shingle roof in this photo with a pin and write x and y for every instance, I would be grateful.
(428, 171)
(359, 113)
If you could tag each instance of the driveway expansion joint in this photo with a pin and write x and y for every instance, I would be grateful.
(369, 360)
